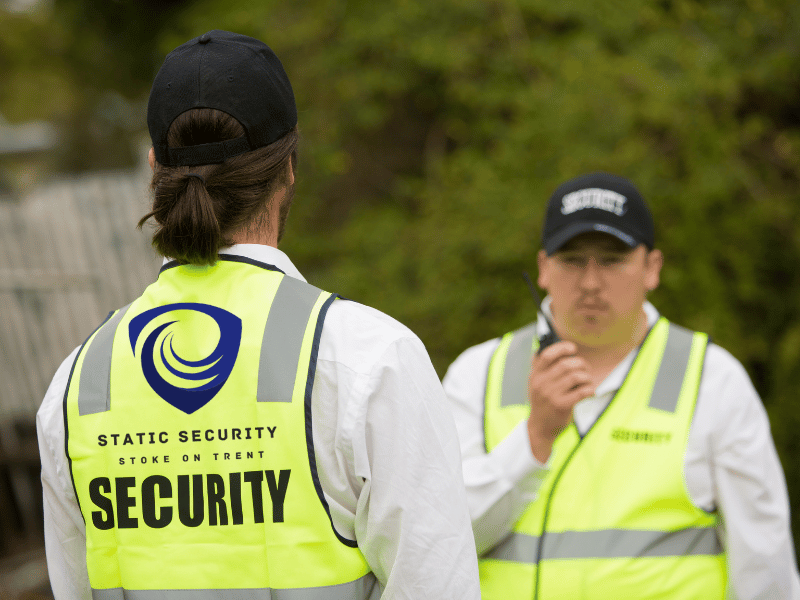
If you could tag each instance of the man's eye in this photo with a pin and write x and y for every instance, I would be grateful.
(574, 261)
(611, 260)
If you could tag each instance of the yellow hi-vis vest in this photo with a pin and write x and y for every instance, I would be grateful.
(613, 519)
(189, 436)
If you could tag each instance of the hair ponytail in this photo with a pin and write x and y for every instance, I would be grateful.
(188, 229)
(198, 209)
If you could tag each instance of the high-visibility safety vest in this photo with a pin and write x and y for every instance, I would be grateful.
(613, 518)
(189, 437)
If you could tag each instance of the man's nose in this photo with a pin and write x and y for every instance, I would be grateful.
(591, 278)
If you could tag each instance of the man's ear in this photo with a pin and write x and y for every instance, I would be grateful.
(544, 272)
(652, 276)
(151, 158)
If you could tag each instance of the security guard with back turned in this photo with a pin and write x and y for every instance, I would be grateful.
(235, 432)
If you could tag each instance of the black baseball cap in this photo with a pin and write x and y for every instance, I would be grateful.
(234, 73)
(597, 202)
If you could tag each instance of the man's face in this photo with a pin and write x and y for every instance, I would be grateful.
(597, 285)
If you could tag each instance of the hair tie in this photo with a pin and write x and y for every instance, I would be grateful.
(200, 177)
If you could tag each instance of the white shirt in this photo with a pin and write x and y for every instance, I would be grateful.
(386, 448)
(730, 465)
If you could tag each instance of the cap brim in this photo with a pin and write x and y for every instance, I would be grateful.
(557, 240)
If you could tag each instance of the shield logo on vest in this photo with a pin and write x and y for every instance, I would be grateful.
(213, 370)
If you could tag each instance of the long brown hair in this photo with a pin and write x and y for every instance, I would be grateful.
(196, 216)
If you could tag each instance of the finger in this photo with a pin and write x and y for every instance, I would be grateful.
(566, 365)
(579, 393)
(553, 353)
(560, 377)
(557, 377)
(560, 369)
(562, 392)
(573, 380)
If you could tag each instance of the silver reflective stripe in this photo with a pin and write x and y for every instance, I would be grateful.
(283, 339)
(365, 588)
(672, 371)
(619, 543)
(518, 367)
(518, 547)
(609, 543)
(94, 388)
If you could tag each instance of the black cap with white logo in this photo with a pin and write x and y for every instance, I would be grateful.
(597, 202)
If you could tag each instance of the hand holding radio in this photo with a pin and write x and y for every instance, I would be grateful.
(558, 380)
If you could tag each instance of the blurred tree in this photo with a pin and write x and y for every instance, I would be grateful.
(435, 132)
(85, 66)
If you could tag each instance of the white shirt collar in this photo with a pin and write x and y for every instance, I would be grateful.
(265, 254)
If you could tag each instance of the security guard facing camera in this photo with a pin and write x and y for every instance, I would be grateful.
(633, 459)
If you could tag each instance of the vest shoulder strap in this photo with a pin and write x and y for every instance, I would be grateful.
(524, 343)
(95, 382)
(674, 368)
(287, 320)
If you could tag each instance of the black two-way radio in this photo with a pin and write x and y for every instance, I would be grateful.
(550, 337)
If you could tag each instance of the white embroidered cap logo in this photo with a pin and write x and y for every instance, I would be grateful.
(594, 198)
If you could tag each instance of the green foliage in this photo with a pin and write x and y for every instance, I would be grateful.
(434, 133)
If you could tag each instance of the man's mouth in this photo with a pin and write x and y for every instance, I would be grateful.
(592, 306)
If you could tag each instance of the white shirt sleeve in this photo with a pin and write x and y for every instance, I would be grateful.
(412, 513)
(393, 473)
(731, 465)
(500, 484)
(64, 529)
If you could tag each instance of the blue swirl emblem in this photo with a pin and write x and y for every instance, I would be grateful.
(216, 367)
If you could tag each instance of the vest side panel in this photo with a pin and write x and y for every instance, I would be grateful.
(690, 391)
(496, 425)
(81, 449)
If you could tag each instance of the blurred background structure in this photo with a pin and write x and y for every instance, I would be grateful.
(433, 134)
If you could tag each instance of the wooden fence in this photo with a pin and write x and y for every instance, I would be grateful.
(69, 253)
